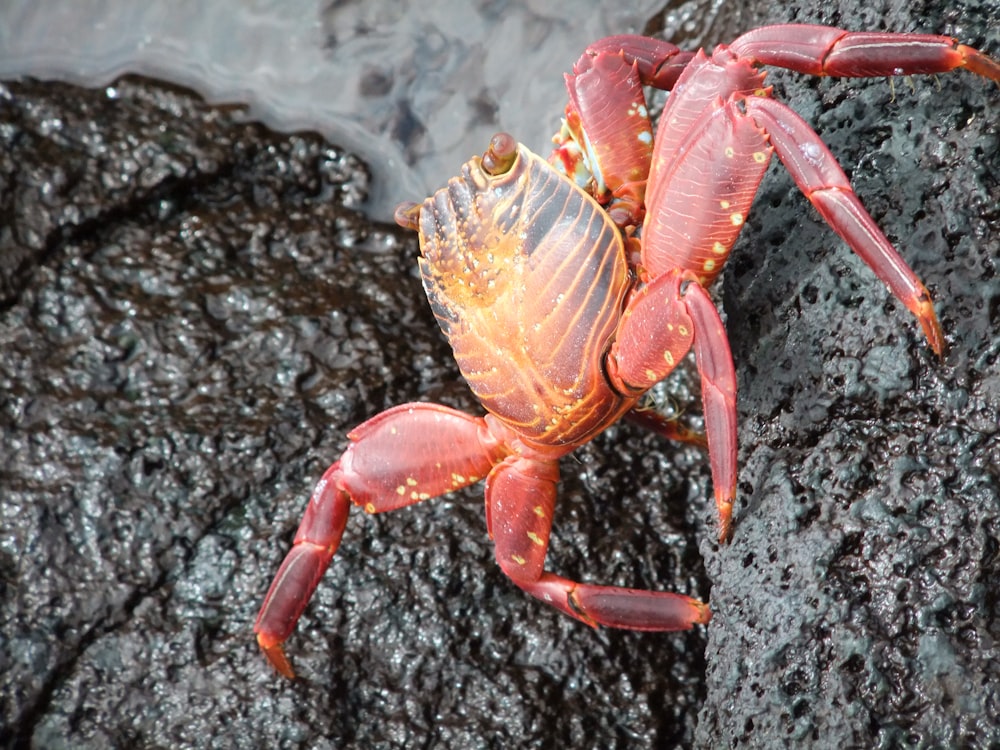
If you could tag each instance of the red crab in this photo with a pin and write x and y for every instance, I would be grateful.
(568, 287)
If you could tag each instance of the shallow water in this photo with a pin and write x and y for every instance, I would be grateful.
(415, 87)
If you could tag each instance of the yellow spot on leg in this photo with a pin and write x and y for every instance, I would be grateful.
(518, 559)
(736, 219)
(369, 507)
(669, 357)
(709, 265)
(760, 157)
(540, 511)
(718, 248)
(536, 539)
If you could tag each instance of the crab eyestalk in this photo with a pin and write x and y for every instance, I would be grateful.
(407, 215)
(500, 154)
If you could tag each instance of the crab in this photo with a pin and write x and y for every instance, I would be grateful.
(569, 286)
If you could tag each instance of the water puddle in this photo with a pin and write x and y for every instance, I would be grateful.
(414, 87)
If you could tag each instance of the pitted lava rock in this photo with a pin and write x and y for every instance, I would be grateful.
(194, 311)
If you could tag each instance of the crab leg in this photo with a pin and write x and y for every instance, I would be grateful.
(406, 454)
(661, 323)
(819, 176)
(669, 428)
(658, 63)
(316, 541)
(520, 498)
(825, 51)
(703, 182)
(711, 153)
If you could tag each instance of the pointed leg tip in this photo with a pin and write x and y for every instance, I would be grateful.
(929, 323)
(725, 509)
(703, 612)
(276, 656)
(935, 337)
(937, 343)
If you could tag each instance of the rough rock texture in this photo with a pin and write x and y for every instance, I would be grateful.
(194, 313)
(857, 604)
(193, 321)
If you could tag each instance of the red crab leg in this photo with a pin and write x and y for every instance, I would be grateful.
(405, 454)
(659, 326)
(711, 154)
(821, 50)
(667, 427)
(819, 176)
(702, 184)
(658, 63)
(520, 497)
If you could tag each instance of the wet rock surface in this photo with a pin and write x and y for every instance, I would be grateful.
(194, 318)
(195, 312)
(857, 603)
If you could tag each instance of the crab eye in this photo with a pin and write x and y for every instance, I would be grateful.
(500, 154)
(407, 215)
